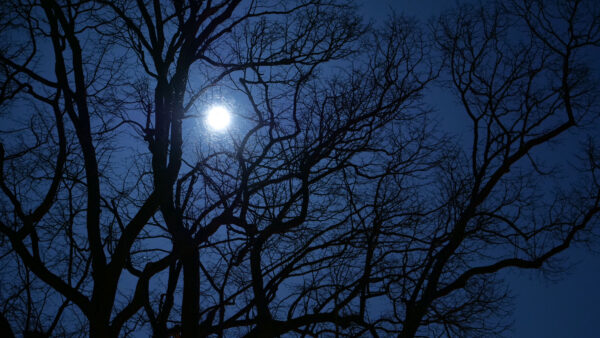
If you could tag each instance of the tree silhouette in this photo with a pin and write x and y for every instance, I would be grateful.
(335, 204)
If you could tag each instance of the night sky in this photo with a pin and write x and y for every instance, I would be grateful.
(565, 305)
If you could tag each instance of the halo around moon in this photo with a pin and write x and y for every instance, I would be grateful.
(218, 118)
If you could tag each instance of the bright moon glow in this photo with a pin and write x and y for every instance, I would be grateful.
(218, 118)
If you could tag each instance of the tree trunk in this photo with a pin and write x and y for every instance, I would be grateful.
(191, 291)
(100, 329)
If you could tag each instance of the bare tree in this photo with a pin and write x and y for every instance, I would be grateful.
(334, 204)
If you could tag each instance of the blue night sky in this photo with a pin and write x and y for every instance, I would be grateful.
(566, 305)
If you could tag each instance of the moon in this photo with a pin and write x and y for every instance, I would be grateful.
(218, 118)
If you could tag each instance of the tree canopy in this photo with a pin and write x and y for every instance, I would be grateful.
(335, 204)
